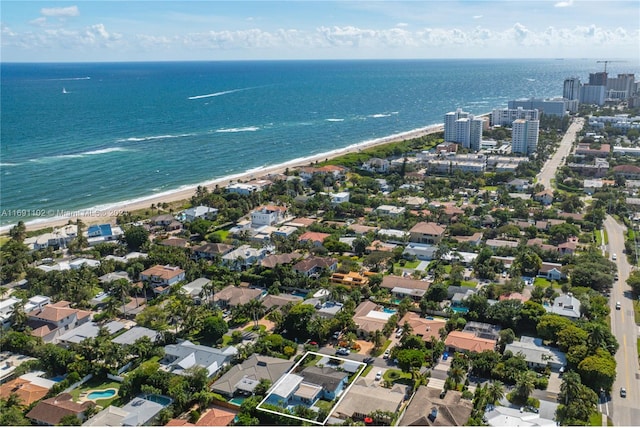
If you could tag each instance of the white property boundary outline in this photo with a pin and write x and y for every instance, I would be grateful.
(344, 393)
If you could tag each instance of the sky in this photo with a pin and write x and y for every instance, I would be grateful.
(145, 30)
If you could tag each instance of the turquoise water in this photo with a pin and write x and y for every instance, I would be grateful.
(125, 131)
(299, 294)
(460, 310)
(237, 400)
(101, 395)
(160, 399)
(389, 311)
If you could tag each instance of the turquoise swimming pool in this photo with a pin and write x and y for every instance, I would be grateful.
(160, 399)
(389, 311)
(237, 400)
(101, 395)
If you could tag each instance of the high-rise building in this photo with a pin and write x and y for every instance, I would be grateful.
(450, 123)
(598, 79)
(549, 107)
(571, 88)
(592, 94)
(524, 136)
(463, 128)
(622, 87)
(506, 116)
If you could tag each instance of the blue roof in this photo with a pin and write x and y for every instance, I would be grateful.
(100, 230)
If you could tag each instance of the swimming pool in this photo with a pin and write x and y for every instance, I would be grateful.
(389, 310)
(459, 310)
(160, 399)
(101, 395)
(237, 400)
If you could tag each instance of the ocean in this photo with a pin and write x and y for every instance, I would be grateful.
(82, 135)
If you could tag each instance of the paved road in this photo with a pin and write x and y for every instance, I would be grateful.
(625, 411)
(551, 166)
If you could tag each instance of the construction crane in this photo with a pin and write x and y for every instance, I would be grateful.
(607, 62)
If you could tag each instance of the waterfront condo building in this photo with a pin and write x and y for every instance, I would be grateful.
(571, 88)
(524, 137)
(463, 128)
(550, 107)
(506, 116)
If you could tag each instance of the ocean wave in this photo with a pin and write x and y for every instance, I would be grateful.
(153, 137)
(70, 78)
(217, 94)
(79, 155)
(379, 115)
(9, 164)
(245, 129)
(334, 120)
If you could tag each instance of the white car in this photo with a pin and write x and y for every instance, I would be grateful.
(614, 257)
(379, 375)
(386, 354)
(618, 305)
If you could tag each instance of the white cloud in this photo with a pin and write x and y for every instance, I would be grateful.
(477, 16)
(38, 22)
(60, 11)
(566, 3)
(402, 24)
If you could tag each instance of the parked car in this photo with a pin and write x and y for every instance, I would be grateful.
(368, 360)
(399, 333)
(386, 354)
(343, 351)
(336, 335)
(379, 375)
(623, 392)
(614, 256)
(618, 305)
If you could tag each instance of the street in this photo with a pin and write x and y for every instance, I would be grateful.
(625, 411)
(551, 166)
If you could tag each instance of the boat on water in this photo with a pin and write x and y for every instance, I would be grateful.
(64, 91)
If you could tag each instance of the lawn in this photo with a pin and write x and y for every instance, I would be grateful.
(489, 188)
(636, 311)
(370, 367)
(544, 282)
(598, 236)
(407, 264)
(251, 328)
(606, 237)
(394, 375)
(595, 420)
(3, 240)
(379, 352)
(470, 284)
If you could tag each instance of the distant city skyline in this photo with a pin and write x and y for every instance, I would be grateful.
(52, 31)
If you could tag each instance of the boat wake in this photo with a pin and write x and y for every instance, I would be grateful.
(245, 129)
(217, 94)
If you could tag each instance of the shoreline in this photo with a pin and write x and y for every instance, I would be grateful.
(107, 213)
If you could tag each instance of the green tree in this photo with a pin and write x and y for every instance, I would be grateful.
(409, 359)
(214, 327)
(136, 237)
(495, 392)
(598, 371)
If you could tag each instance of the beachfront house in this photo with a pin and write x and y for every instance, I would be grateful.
(101, 233)
(199, 212)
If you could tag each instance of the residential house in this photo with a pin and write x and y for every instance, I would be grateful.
(390, 210)
(232, 296)
(6, 309)
(114, 276)
(428, 408)
(272, 301)
(202, 212)
(184, 355)
(54, 319)
(545, 197)
(497, 243)
(36, 302)
(163, 220)
(52, 410)
(98, 234)
(89, 330)
(339, 197)
(30, 387)
(500, 416)
(274, 260)
(315, 265)
(130, 336)
(195, 288)
(426, 233)
(268, 215)
(58, 238)
(459, 341)
(349, 279)
(213, 416)
(369, 317)
(331, 380)
(551, 271)
(393, 236)
(599, 150)
(210, 251)
(325, 309)
(376, 165)
(519, 185)
(402, 287)
(366, 396)
(474, 239)
(631, 172)
(425, 327)
(242, 378)
(538, 242)
(566, 305)
(483, 330)
(161, 278)
(140, 411)
(420, 251)
(245, 188)
(314, 238)
(536, 354)
(244, 256)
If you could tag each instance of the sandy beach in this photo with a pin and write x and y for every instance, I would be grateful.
(107, 215)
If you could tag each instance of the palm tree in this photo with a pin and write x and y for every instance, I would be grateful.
(570, 388)
(456, 374)
(525, 384)
(495, 392)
